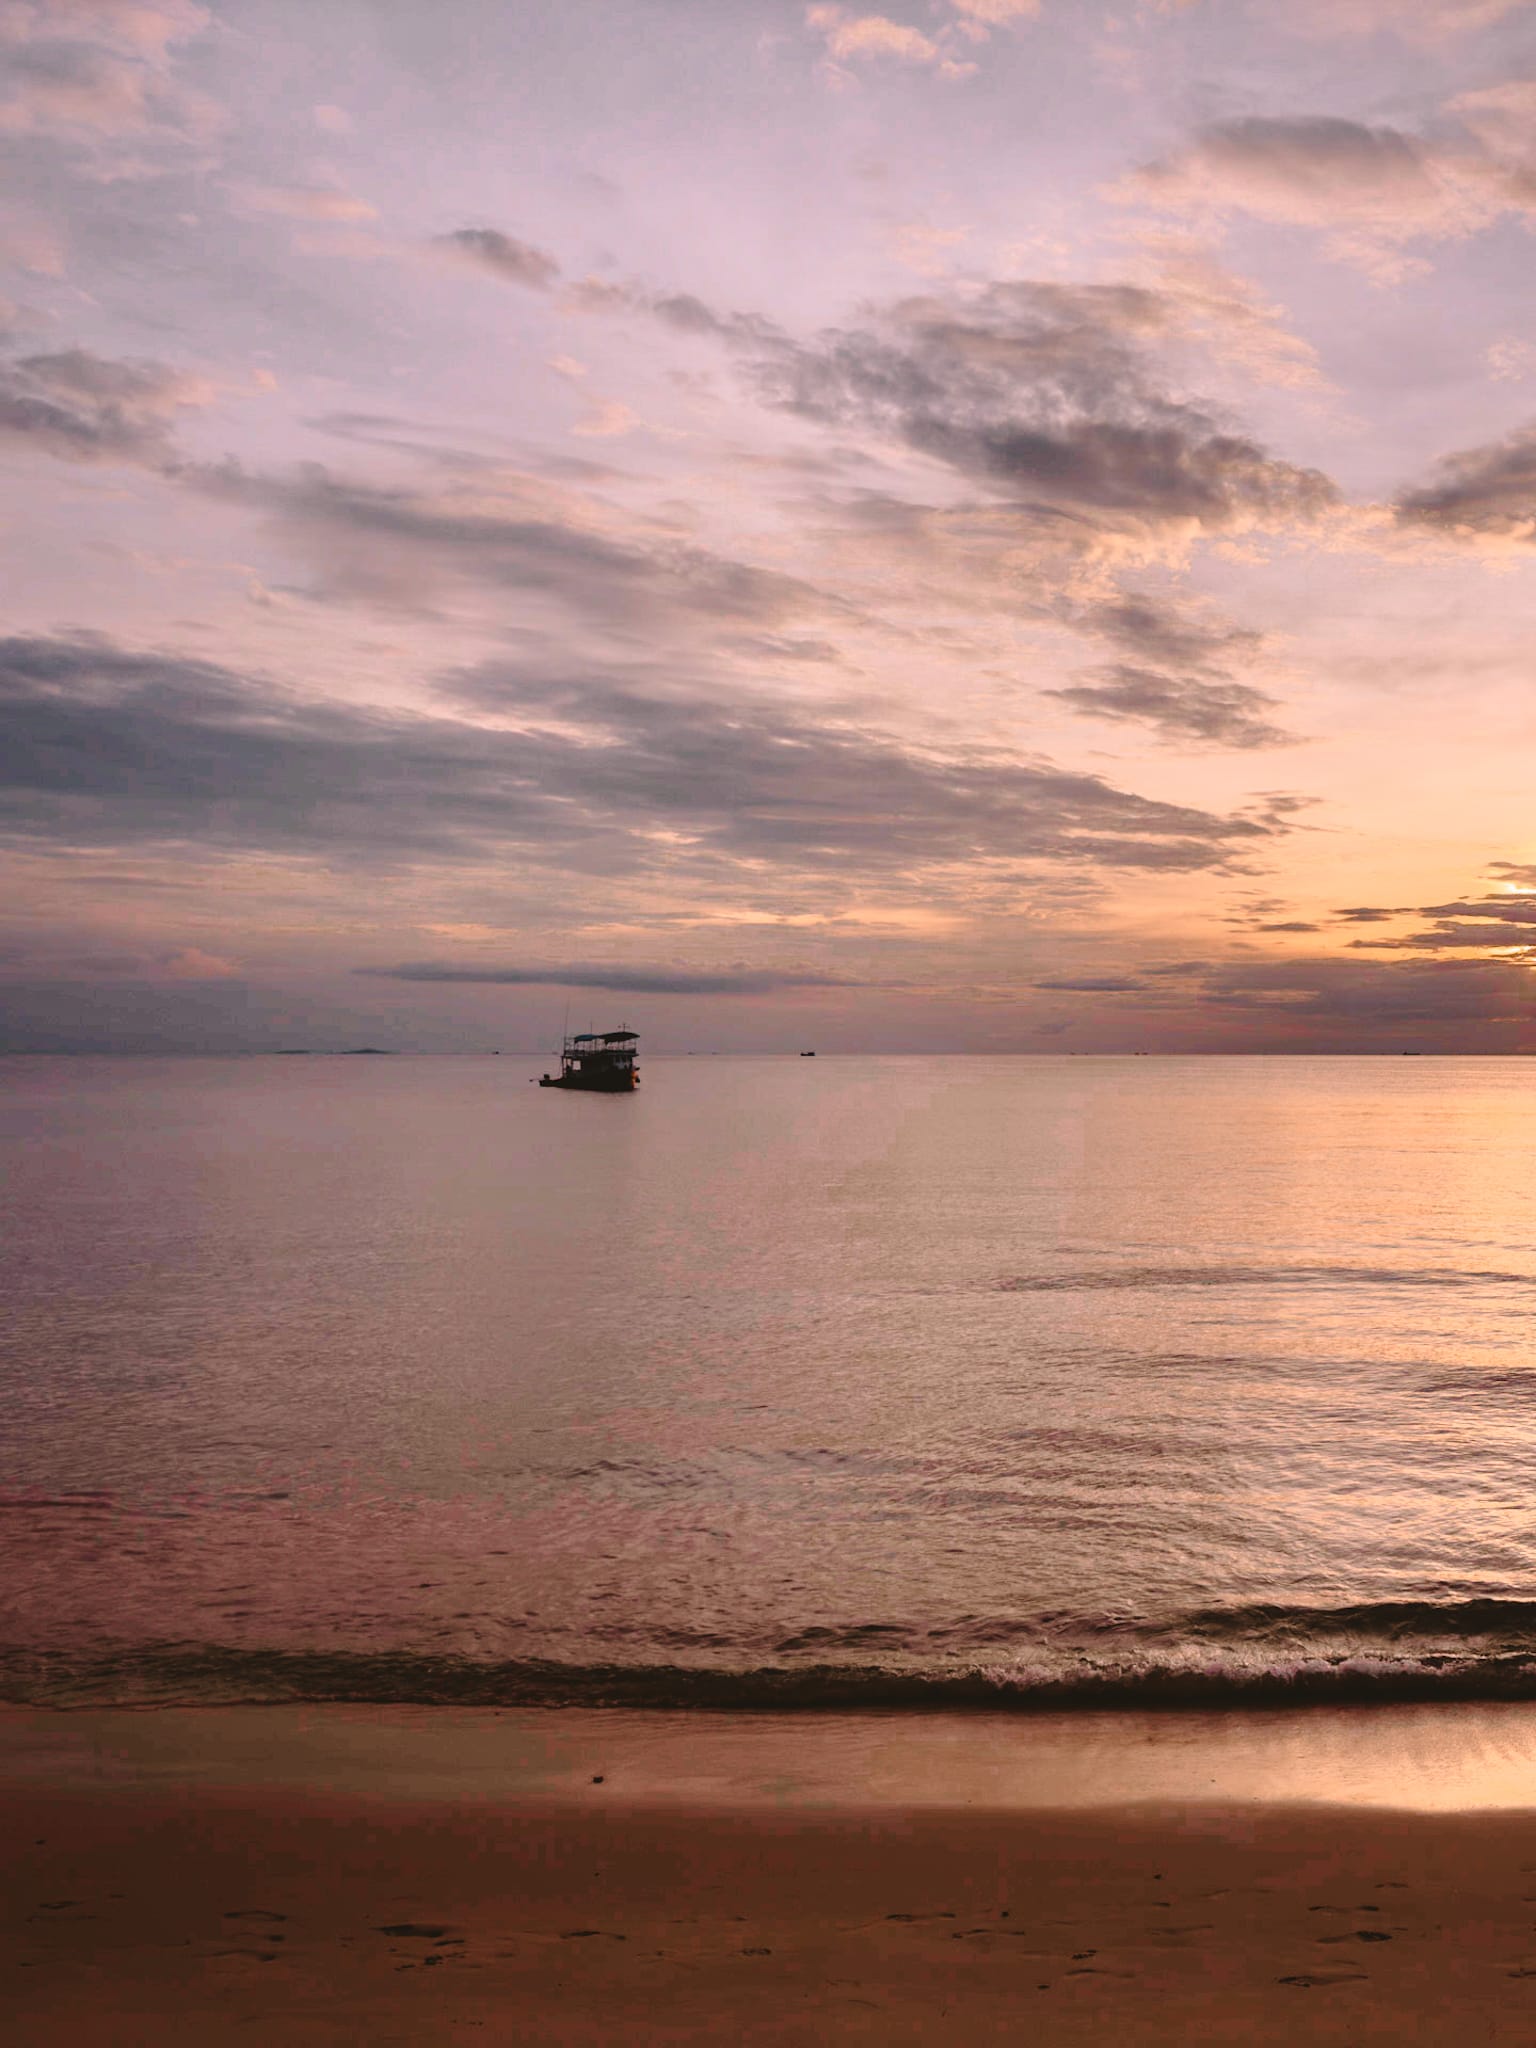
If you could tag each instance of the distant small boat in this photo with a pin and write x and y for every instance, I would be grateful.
(807, 1055)
(602, 1062)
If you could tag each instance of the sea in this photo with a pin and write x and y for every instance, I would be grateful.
(850, 1382)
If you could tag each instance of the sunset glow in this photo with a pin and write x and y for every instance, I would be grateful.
(974, 525)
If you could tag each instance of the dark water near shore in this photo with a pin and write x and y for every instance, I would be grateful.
(1006, 1381)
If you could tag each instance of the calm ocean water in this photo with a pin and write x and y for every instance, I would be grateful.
(1031, 1380)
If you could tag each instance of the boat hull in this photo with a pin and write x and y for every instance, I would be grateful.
(594, 1084)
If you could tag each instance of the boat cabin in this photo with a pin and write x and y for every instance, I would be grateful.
(605, 1061)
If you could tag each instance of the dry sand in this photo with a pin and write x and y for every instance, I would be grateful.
(206, 1901)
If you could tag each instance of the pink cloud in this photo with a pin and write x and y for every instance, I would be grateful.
(145, 27)
(852, 36)
(1423, 21)
(996, 13)
(97, 68)
(306, 202)
(870, 35)
(1372, 192)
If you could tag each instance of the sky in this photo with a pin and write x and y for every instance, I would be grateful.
(987, 525)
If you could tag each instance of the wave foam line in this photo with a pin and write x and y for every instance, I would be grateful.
(192, 1674)
(1113, 1279)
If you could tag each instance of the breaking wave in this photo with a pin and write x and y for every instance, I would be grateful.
(1260, 1656)
(1111, 1279)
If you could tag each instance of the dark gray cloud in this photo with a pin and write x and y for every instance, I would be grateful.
(504, 256)
(1505, 909)
(1334, 164)
(1094, 984)
(778, 781)
(87, 408)
(680, 311)
(1369, 189)
(1178, 679)
(1179, 708)
(1372, 189)
(1151, 471)
(1251, 911)
(1520, 873)
(1048, 395)
(1281, 807)
(1480, 493)
(653, 981)
(1155, 633)
(1377, 993)
(1485, 492)
(400, 546)
(1492, 923)
(101, 746)
(1445, 938)
(1294, 924)
(1370, 913)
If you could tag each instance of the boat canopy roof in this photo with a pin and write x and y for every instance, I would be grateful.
(603, 1037)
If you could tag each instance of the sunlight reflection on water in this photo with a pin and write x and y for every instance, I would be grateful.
(1031, 1367)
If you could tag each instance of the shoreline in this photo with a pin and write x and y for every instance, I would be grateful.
(1439, 1671)
(1444, 1757)
(431, 1875)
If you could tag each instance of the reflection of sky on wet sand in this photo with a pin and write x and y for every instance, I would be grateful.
(1439, 1759)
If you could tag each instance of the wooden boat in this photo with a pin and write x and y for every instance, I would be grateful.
(602, 1062)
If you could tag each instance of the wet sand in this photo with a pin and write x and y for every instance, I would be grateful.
(182, 1877)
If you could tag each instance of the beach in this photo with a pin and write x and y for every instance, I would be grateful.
(330, 1875)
